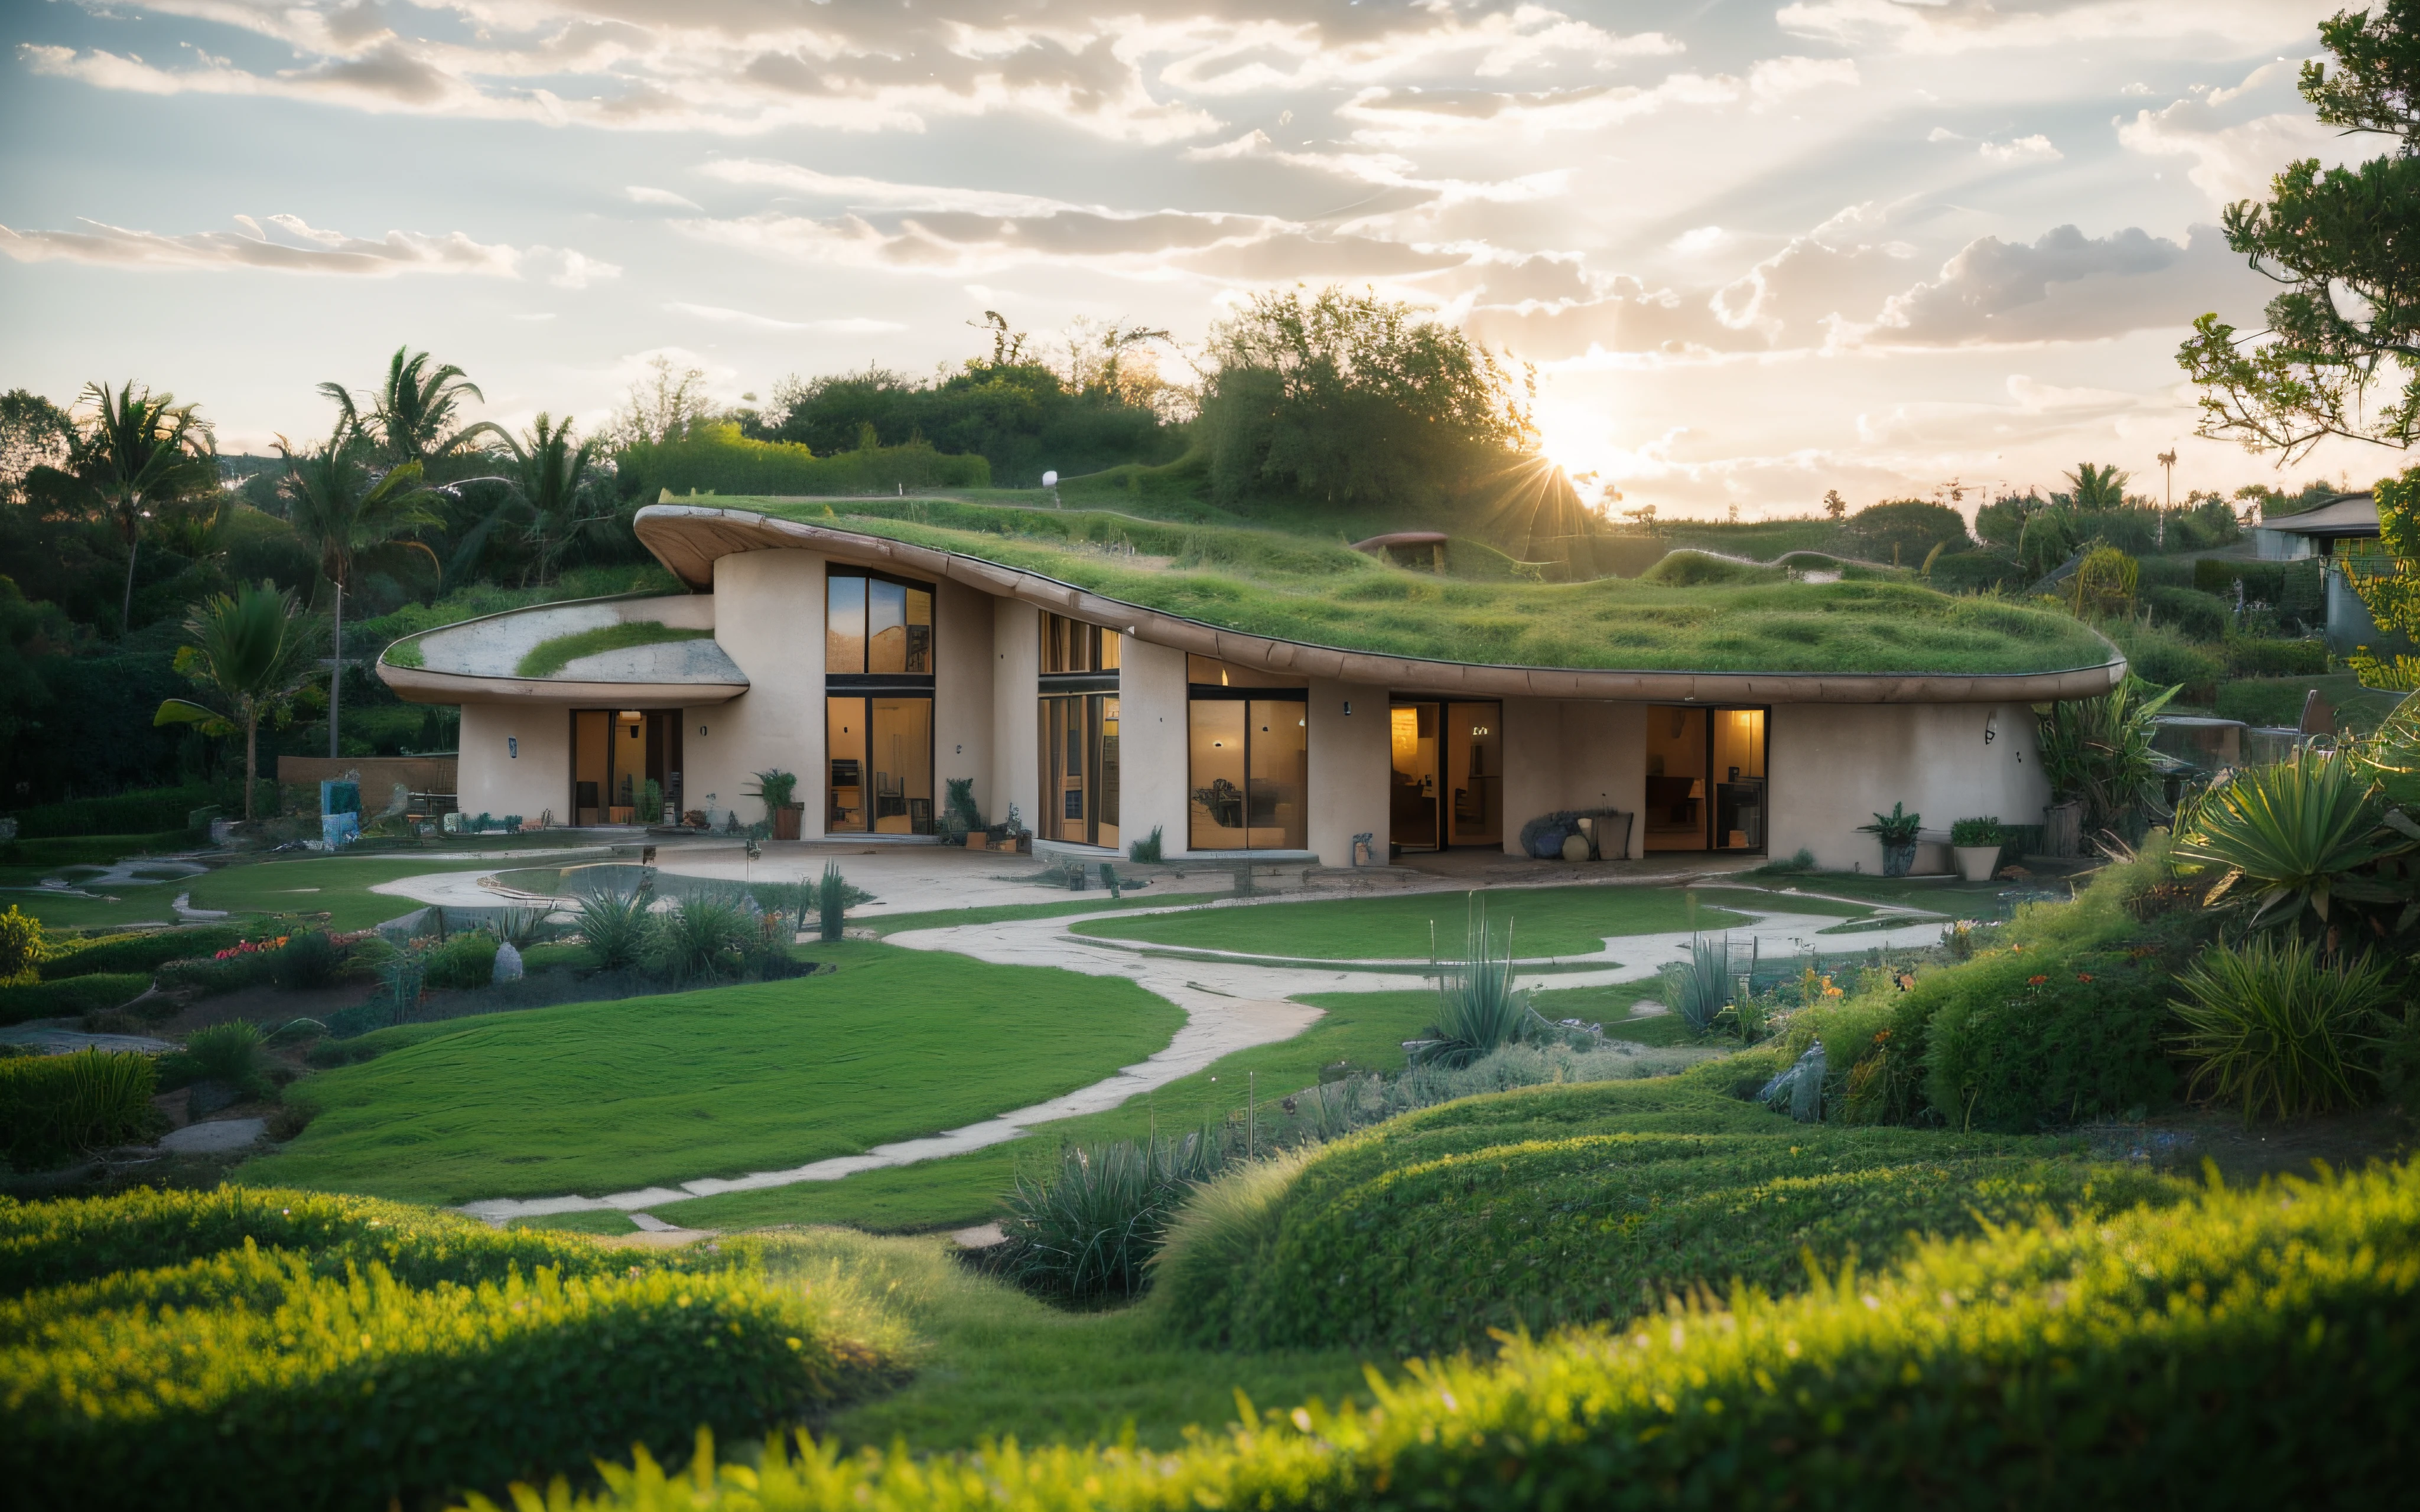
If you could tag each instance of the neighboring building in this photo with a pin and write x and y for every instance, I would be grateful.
(877, 667)
(2336, 532)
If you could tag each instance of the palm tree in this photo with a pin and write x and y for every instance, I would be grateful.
(548, 477)
(249, 654)
(2098, 488)
(135, 453)
(352, 516)
(413, 412)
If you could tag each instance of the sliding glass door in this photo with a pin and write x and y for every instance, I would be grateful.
(1080, 769)
(1250, 777)
(877, 705)
(1705, 780)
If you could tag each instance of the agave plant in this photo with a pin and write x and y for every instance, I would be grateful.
(1697, 990)
(2291, 838)
(1478, 1009)
(615, 925)
(1089, 1228)
(700, 938)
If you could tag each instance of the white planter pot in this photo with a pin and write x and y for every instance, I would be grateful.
(1975, 863)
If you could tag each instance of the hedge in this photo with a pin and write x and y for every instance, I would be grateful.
(144, 950)
(716, 459)
(370, 1353)
(129, 814)
(1432, 1231)
(74, 997)
(2257, 657)
(54, 1107)
(2247, 1348)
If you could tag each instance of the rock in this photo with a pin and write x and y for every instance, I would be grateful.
(207, 1097)
(508, 964)
(224, 1137)
(1576, 848)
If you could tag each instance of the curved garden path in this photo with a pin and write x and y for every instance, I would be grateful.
(1227, 1006)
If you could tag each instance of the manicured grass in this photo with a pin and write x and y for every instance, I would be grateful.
(1543, 922)
(144, 902)
(1365, 1028)
(1090, 902)
(998, 1363)
(97, 850)
(551, 656)
(596, 1097)
(1268, 583)
(338, 885)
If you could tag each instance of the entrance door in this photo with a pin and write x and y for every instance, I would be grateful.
(1705, 780)
(1414, 781)
(879, 756)
(625, 766)
(1080, 765)
(1446, 786)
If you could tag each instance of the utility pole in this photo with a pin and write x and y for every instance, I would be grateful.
(2167, 461)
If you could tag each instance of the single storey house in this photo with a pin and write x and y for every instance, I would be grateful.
(1244, 693)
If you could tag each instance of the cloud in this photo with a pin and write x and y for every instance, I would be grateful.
(863, 192)
(320, 250)
(2068, 286)
(2234, 147)
(642, 195)
(1774, 80)
(2035, 149)
(852, 325)
(1952, 26)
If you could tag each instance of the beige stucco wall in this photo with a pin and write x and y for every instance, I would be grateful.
(769, 621)
(1572, 754)
(1016, 716)
(495, 781)
(964, 715)
(1836, 766)
(1349, 756)
(1152, 755)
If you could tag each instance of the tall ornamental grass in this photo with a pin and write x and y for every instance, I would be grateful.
(2271, 1028)
(2247, 1348)
(1088, 1227)
(614, 924)
(1478, 1009)
(55, 1107)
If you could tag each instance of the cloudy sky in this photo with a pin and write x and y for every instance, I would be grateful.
(1755, 252)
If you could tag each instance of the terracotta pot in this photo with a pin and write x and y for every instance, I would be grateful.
(786, 819)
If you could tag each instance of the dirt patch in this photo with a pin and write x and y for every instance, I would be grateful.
(264, 1005)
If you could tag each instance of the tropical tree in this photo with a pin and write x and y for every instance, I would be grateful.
(2296, 837)
(135, 454)
(352, 516)
(548, 475)
(2098, 750)
(2095, 488)
(414, 414)
(33, 433)
(249, 654)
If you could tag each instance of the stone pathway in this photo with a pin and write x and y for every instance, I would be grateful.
(51, 1041)
(1227, 1006)
(224, 1136)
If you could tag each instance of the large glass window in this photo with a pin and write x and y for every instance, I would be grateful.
(1079, 767)
(1251, 771)
(879, 753)
(1705, 780)
(1073, 646)
(625, 766)
(875, 625)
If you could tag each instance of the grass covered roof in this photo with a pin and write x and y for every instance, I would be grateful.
(1295, 587)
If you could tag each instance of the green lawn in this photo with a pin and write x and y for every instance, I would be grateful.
(994, 1363)
(596, 1097)
(1366, 1028)
(338, 885)
(1089, 902)
(1543, 922)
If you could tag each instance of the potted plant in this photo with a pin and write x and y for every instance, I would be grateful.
(775, 787)
(1896, 830)
(1977, 842)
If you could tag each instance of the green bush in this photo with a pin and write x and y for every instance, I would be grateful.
(2163, 659)
(307, 960)
(1088, 1228)
(2252, 1349)
(613, 925)
(1536, 1209)
(2035, 1041)
(229, 1052)
(716, 459)
(702, 938)
(54, 1107)
(2264, 701)
(71, 998)
(208, 974)
(2266, 657)
(21, 948)
(466, 960)
(129, 814)
(144, 950)
(2271, 1027)
(2200, 615)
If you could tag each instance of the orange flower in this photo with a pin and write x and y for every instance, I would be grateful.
(2036, 981)
(2084, 976)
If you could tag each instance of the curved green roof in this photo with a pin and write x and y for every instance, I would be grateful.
(1294, 588)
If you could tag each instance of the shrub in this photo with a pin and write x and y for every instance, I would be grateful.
(1559, 1205)
(1698, 988)
(1977, 832)
(1087, 1229)
(53, 1107)
(71, 998)
(2246, 1349)
(464, 962)
(2268, 1026)
(615, 926)
(2030, 1041)
(231, 1053)
(287, 1388)
(145, 812)
(20, 947)
(831, 903)
(699, 939)
(306, 961)
(2200, 615)
(1147, 849)
(144, 950)
(2264, 656)
(2164, 658)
